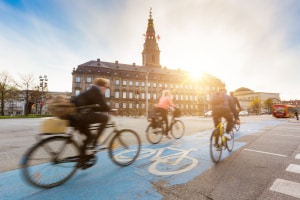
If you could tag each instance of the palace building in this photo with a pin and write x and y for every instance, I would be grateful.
(136, 89)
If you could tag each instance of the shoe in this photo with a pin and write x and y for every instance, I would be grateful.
(218, 147)
(167, 136)
(227, 135)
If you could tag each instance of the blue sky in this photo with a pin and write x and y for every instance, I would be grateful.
(253, 44)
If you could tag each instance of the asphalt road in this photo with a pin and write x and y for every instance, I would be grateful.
(263, 165)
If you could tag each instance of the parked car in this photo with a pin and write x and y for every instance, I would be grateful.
(243, 113)
(208, 114)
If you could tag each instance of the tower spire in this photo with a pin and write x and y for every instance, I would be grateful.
(151, 52)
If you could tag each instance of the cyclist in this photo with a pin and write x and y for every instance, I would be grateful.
(95, 95)
(222, 106)
(236, 102)
(162, 107)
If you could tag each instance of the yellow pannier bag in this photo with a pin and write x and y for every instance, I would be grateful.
(54, 125)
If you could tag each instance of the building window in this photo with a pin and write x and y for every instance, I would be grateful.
(143, 84)
(124, 105)
(149, 84)
(166, 85)
(124, 95)
(117, 94)
(107, 93)
(77, 79)
(137, 84)
(154, 84)
(130, 105)
(89, 79)
(130, 83)
(160, 85)
(130, 95)
(124, 83)
(117, 82)
(116, 105)
(154, 96)
(77, 92)
(143, 95)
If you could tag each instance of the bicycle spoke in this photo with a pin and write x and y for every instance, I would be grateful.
(51, 162)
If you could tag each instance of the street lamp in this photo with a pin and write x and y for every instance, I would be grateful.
(147, 93)
(43, 85)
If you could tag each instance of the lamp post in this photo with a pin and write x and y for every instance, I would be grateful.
(147, 93)
(43, 85)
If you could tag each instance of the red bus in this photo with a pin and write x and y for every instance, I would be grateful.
(283, 111)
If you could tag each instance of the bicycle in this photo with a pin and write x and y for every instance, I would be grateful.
(156, 129)
(218, 142)
(55, 159)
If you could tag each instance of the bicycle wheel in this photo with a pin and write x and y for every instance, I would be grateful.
(154, 134)
(125, 147)
(50, 162)
(177, 129)
(230, 143)
(215, 146)
(236, 127)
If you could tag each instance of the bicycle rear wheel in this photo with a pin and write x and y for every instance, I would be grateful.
(154, 134)
(230, 143)
(125, 147)
(215, 146)
(177, 129)
(50, 162)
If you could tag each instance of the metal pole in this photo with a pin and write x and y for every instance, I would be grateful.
(147, 93)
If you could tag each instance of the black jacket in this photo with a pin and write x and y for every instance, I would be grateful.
(92, 96)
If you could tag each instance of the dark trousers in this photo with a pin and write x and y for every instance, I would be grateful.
(223, 112)
(84, 124)
(164, 115)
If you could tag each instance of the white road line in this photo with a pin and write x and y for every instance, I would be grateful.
(297, 156)
(274, 154)
(286, 187)
(293, 168)
(287, 135)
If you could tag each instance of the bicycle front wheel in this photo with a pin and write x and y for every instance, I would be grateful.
(177, 129)
(50, 162)
(125, 147)
(230, 143)
(154, 134)
(215, 146)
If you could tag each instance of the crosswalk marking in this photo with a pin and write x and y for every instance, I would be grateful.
(293, 168)
(286, 187)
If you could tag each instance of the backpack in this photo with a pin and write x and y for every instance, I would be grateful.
(61, 107)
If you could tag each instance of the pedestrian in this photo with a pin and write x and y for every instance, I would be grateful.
(296, 114)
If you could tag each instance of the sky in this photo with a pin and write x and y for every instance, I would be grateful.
(253, 44)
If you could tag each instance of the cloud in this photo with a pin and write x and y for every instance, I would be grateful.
(246, 44)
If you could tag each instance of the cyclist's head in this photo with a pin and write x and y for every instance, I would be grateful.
(223, 90)
(102, 82)
(166, 93)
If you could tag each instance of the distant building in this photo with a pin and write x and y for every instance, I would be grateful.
(247, 96)
(136, 89)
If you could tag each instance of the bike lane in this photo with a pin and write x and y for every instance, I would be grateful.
(165, 164)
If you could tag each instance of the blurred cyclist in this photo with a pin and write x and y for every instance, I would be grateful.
(236, 102)
(222, 106)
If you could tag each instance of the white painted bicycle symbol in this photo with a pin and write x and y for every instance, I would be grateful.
(167, 161)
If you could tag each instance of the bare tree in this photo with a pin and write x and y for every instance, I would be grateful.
(27, 84)
(6, 82)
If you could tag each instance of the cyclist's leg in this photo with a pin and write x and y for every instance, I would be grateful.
(227, 115)
(103, 120)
